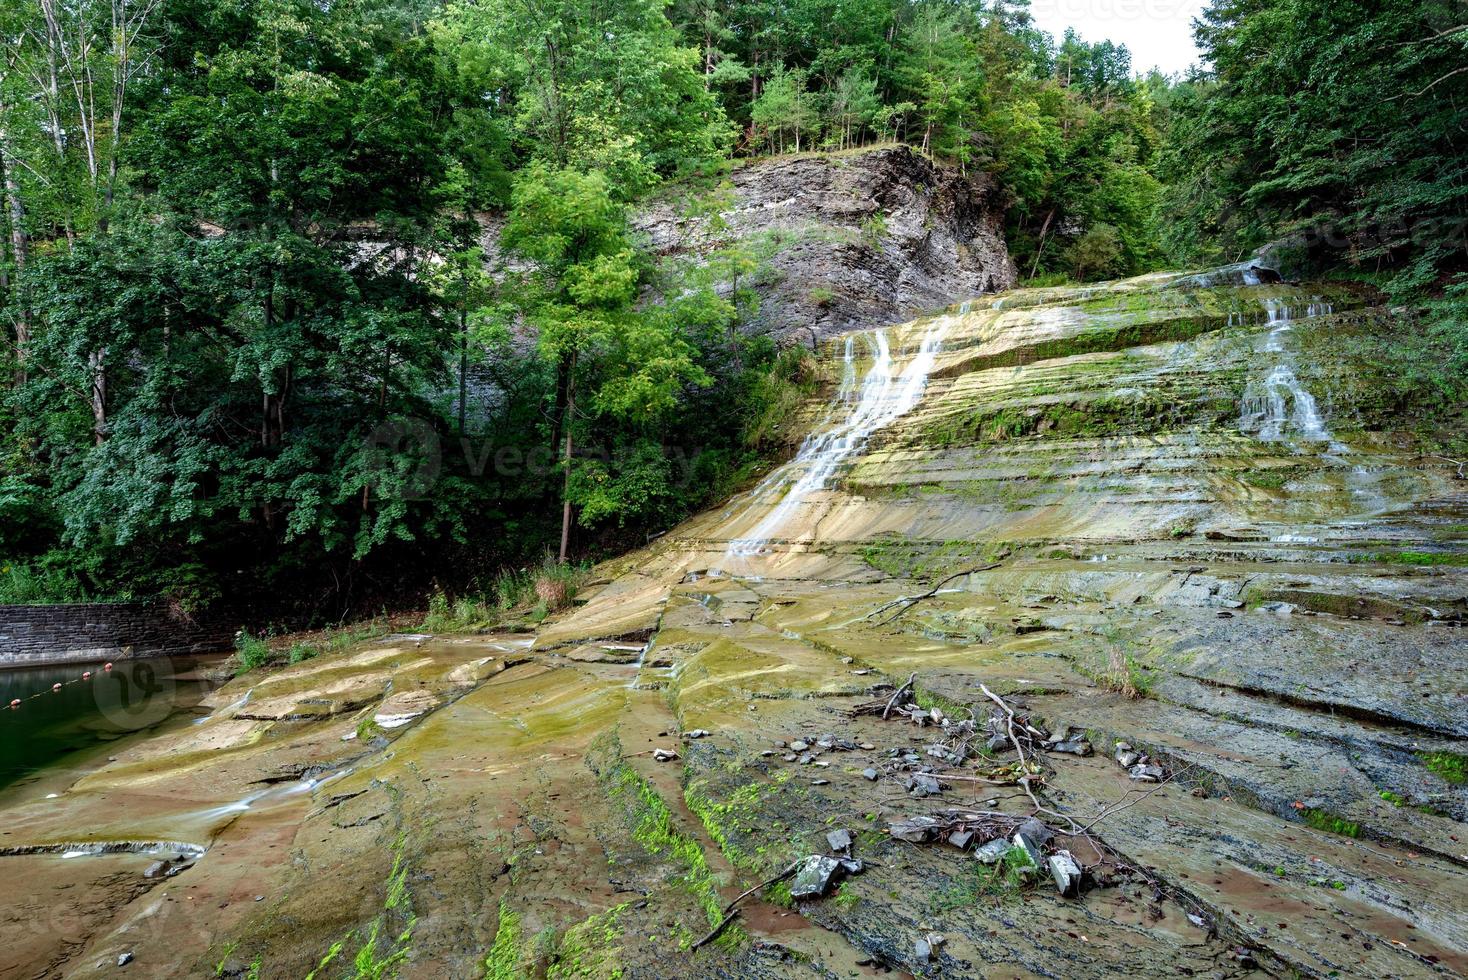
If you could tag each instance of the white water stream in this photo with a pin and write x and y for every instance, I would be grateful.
(1280, 408)
(1280, 402)
(885, 393)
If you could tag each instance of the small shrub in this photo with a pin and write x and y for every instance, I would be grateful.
(301, 652)
(251, 651)
(552, 592)
(1124, 675)
(874, 229)
(821, 297)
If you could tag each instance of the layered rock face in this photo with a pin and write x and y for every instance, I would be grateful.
(850, 240)
(1181, 513)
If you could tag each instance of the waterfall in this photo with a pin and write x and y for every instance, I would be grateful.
(884, 395)
(1280, 401)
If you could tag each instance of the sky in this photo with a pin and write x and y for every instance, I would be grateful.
(1159, 33)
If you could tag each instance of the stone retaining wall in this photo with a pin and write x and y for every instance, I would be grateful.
(81, 632)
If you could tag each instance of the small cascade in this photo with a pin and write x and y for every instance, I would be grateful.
(1236, 274)
(883, 396)
(1280, 402)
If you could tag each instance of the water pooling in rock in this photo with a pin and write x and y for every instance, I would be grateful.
(84, 714)
(885, 394)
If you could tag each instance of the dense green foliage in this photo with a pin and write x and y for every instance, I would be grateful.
(1340, 129)
(307, 304)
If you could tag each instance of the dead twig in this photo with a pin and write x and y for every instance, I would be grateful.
(1459, 463)
(730, 911)
(1124, 803)
(1024, 762)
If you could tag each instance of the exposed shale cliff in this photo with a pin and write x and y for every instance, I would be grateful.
(847, 241)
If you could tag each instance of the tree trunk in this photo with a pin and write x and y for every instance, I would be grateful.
(463, 367)
(566, 485)
(99, 395)
(20, 254)
(734, 327)
(558, 411)
(1044, 230)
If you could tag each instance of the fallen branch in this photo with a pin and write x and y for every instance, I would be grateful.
(914, 600)
(1459, 463)
(730, 911)
(1024, 760)
(896, 699)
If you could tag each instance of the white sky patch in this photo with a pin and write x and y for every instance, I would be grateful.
(1159, 33)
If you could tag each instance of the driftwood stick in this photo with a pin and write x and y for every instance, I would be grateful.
(1124, 803)
(730, 911)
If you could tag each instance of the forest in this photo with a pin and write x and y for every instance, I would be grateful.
(254, 352)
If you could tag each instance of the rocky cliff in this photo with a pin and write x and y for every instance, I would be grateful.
(850, 240)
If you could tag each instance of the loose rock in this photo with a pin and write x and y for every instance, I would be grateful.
(993, 852)
(839, 840)
(1066, 872)
(914, 830)
(1035, 830)
(923, 784)
(1030, 847)
(815, 877)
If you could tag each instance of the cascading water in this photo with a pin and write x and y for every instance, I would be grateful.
(1280, 401)
(883, 396)
(1280, 408)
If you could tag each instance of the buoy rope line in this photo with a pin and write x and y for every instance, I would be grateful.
(56, 688)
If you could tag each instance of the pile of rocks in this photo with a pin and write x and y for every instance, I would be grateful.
(1139, 765)
(818, 872)
(1028, 839)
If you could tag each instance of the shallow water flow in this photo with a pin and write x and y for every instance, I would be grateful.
(885, 394)
(1280, 403)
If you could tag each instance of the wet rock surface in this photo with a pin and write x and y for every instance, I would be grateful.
(1064, 564)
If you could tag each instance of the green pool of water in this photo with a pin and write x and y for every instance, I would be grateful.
(134, 695)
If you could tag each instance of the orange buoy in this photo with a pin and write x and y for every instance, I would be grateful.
(55, 687)
(107, 666)
(86, 675)
(15, 704)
